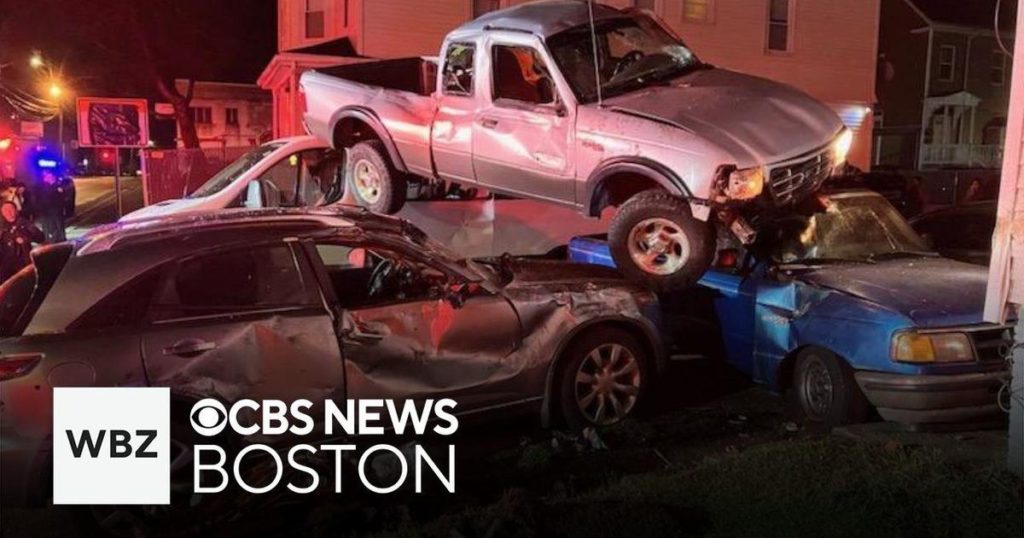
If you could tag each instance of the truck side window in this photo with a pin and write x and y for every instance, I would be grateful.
(458, 69)
(521, 75)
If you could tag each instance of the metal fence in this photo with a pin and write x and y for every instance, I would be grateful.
(174, 173)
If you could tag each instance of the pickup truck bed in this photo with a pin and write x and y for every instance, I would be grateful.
(412, 75)
(396, 94)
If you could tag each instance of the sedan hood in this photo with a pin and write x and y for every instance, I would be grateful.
(757, 121)
(932, 292)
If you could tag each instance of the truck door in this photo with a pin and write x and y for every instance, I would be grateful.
(451, 135)
(522, 137)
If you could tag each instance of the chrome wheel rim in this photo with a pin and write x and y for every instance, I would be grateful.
(817, 389)
(658, 246)
(367, 181)
(607, 384)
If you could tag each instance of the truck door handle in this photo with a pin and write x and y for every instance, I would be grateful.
(190, 347)
(489, 123)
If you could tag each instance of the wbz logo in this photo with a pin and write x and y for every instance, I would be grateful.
(111, 445)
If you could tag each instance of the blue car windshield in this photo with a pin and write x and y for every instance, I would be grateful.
(851, 227)
(233, 171)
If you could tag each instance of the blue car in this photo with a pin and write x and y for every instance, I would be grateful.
(841, 305)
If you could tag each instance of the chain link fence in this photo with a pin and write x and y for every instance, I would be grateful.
(174, 173)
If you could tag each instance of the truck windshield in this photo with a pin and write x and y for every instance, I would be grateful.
(858, 228)
(233, 171)
(632, 53)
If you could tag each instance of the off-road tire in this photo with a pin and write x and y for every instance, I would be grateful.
(393, 187)
(846, 403)
(575, 355)
(659, 204)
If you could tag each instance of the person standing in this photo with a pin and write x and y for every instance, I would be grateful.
(17, 234)
(49, 207)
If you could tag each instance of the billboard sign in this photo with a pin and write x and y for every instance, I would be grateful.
(122, 123)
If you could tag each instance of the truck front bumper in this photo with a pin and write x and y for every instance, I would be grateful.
(934, 399)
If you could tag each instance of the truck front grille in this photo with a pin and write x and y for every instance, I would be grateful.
(790, 182)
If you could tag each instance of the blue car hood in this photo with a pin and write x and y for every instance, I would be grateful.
(932, 292)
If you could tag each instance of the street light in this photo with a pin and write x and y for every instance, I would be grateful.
(36, 60)
(56, 91)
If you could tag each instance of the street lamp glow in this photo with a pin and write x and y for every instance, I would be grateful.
(35, 61)
(55, 90)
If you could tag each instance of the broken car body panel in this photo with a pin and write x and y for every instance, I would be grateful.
(769, 313)
(342, 310)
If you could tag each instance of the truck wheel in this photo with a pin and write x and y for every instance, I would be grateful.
(376, 184)
(603, 378)
(825, 391)
(655, 240)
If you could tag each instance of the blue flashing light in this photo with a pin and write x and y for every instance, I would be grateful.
(47, 163)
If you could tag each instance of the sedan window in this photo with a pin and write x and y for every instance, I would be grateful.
(238, 281)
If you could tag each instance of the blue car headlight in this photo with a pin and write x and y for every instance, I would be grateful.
(932, 347)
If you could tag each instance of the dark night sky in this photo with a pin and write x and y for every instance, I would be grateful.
(97, 42)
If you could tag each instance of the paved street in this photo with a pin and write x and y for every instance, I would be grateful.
(95, 202)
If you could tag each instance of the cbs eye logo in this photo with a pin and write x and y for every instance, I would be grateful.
(209, 417)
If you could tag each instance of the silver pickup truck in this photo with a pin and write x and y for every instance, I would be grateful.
(535, 102)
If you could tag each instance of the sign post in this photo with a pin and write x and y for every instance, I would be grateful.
(114, 124)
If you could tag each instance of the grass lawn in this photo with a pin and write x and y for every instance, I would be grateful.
(811, 487)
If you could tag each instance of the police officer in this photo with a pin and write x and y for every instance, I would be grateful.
(16, 236)
(48, 206)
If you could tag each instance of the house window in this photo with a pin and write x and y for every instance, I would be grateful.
(780, 25)
(998, 67)
(314, 18)
(482, 7)
(698, 10)
(202, 115)
(947, 63)
(231, 116)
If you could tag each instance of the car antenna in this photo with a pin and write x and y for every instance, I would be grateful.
(593, 41)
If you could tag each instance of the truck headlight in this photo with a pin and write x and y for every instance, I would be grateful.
(932, 347)
(841, 146)
(745, 184)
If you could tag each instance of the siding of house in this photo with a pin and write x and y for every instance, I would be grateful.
(977, 71)
(833, 53)
(251, 104)
(291, 22)
(396, 28)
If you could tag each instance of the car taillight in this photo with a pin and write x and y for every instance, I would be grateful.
(13, 366)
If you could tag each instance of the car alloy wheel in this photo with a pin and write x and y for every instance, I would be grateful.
(367, 181)
(658, 246)
(607, 384)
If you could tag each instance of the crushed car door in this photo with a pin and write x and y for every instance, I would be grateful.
(403, 338)
(242, 323)
(734, 310)
(523, 135)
